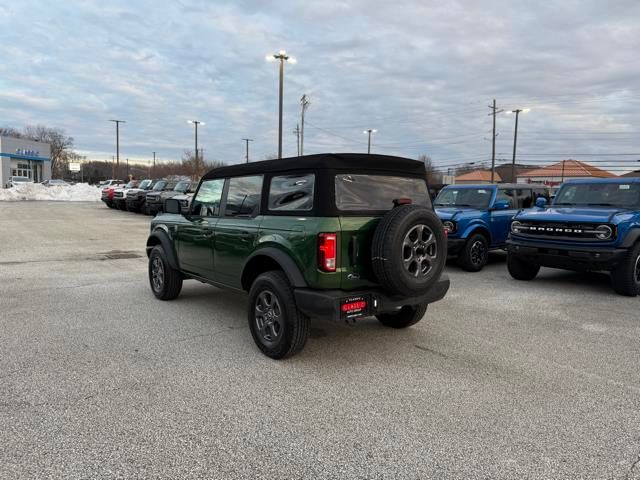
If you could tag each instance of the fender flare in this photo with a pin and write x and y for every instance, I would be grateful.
(289, 267)
(160, 237)
(633, 235)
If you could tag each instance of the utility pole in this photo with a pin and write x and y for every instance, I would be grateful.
(304, 103)
(196, 166)
(118, 122)
(247, 140)
(517, 111)
(562, 180)
(494, 112)
(296, 132)
(154, 163)
(113, 167)
(127, 169)
(369, 132)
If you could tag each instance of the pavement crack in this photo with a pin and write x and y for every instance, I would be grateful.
(427, 349)
(633, 467)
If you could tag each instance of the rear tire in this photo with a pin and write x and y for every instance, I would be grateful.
(165, 282)
(475, 253)
(521, 269)
(626, 277)
(278, 328)
(405, 317)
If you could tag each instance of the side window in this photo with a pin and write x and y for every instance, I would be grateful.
(525, 198)
(291, 192)
(207, 201)
(243, 199)
(507, 194)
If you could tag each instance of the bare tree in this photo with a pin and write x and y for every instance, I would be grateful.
(10, 132)
(60, 143)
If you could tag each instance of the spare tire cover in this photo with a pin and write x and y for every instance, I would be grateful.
(409, 250)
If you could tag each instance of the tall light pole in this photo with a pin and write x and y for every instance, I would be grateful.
(196, 123)
(515, 141)
(282, 57)
(154, 163)
(118, 122)
(247, 140)
(369, 131)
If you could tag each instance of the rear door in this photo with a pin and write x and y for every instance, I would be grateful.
(237, 229)
(195, 238)
(362, 200)
(501, 219)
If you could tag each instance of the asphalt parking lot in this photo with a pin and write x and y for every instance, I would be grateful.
(98, 379)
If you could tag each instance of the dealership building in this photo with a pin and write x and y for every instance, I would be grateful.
(24, 158)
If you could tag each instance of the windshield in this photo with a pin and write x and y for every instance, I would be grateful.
(20, 179)
(182, 187)
(145, 183)
(159, 185)
(619, 195)
(464, 197)
(378, 192)
(131, 184)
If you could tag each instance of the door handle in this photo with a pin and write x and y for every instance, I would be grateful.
(207, 232)
(245, 235)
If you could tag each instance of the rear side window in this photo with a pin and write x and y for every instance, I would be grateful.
(243, 199)
(292, 193)
(525, 198)
(507, 194)
(377, 192)
(207, 201)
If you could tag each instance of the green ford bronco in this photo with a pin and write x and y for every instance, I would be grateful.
(338, 236)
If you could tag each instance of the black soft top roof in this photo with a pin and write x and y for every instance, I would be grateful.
(332, 161)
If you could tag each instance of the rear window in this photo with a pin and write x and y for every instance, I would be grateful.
(377, 192)
(290, 193)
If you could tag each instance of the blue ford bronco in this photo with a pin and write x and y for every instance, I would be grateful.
(477, 217)
(592, 225)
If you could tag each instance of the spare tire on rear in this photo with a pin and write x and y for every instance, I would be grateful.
(409, 250)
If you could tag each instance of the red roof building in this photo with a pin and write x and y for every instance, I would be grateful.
(564, 170)
(477, 176)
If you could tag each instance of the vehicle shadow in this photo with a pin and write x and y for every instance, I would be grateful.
(328, 340)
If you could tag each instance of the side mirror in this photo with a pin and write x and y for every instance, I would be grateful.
(501, 205)
(541, 202)
(171, 205)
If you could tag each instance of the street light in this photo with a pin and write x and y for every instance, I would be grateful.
(369, 132)
(283, 57)
(196, 123)
(517, 111)
(117, 122)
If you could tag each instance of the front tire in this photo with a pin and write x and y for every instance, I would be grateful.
(403, 318)
(165, 282)
(626, 277)
(278, 328)
(475, 253)
(521, 269)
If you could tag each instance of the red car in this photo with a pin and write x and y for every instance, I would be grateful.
(107, 194)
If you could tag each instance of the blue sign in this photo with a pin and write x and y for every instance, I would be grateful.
(27, 153)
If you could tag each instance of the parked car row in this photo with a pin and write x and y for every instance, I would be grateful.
(591, 225)
(146, 196)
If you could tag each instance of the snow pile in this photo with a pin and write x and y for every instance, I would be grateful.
(81, 192)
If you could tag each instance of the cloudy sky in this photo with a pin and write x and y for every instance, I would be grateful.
(422, 73)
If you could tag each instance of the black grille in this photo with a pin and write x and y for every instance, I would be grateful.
(572, 231)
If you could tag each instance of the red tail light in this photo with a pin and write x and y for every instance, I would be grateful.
(327, 252)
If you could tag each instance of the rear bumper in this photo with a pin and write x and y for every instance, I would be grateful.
(568, 257)
(326, 303)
